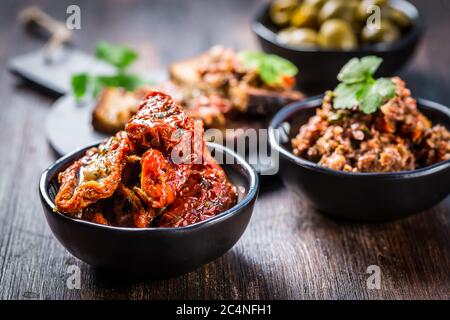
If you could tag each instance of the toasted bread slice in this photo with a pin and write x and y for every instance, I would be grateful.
(247, 99)
(114, 108)
(184, 73)
(259, 101)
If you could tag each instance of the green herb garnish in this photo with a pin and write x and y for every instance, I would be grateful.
(271, 68)
(120, 57)
(359, 88)
(80, 83)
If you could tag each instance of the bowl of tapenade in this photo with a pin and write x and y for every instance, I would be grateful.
(320, 36)
(367, 150)
(152, 200)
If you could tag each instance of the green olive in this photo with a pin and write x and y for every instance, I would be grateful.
(338, 9)
(337, 34)
(298, 36)
(399, 17)
(363, 11)
(387, 32)
(304, 16)
(315, 3)
(281, 10)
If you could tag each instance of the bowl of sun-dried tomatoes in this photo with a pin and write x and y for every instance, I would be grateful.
(153, 200)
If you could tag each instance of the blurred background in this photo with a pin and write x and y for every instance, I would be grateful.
(168, 30)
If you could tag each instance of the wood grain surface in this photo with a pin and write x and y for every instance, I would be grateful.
(289, 251)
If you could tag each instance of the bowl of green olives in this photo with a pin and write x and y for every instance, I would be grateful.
(320, 36)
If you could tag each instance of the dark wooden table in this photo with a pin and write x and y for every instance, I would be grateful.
(289, 251)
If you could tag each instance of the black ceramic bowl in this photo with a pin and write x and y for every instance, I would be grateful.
(152, 252)
(359, 196)
(318, 67)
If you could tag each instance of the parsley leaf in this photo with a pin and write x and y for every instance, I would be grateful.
(385, 87)
(271, 68)
(358, 70)
(371, 98)
(359, 88)
(345, 95)
(119, 56)
(127, 81)
(251, 59)
(370, 64)
(368, 99)
(80, 83)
